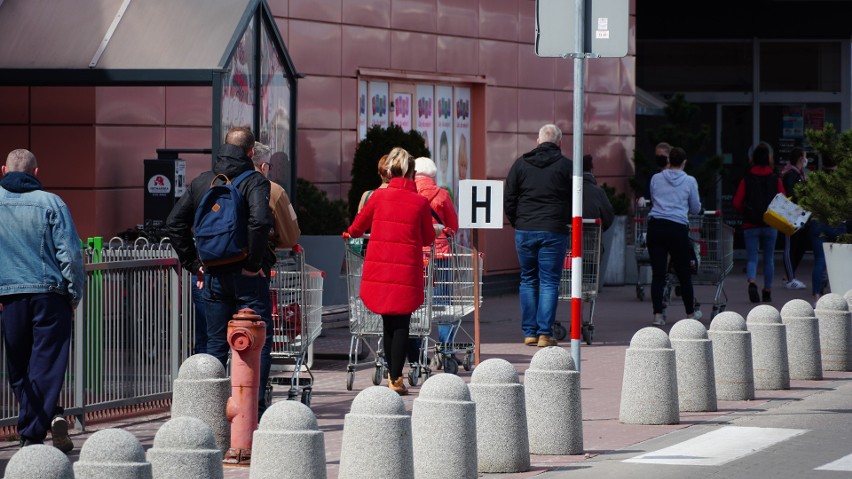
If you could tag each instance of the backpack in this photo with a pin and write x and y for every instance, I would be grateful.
(221, 226)
(759, 191)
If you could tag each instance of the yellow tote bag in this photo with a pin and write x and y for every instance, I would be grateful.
(785, 216)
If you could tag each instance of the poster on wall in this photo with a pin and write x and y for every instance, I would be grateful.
(425, 121)
(238, 85)
(274, 128)
(362, 109)
(461, 127)
(378, 104)
(444, 137)
(402, 111)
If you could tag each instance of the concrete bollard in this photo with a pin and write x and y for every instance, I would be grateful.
(112, 454)
(803, 343)
(552, 387)
(732, 358)
(443, 421)
(848, 298)
(39, 462)
(835, 332)
(696, 377)
(377, 437)
(649, 389)
(768, 348)
(502, 440)
(288, 444)
(184, 447)
(201, 390)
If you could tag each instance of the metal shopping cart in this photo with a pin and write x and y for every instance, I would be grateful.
(591, 269)
(640, 246)
(296, 293)
(365, 324)
(713, 241)
(453, 293)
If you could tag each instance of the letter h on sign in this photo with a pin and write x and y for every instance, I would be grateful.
(480, 204)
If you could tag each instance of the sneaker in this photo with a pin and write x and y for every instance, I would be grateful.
(659, 320)
(397, 386)
(59, 431)
(796, 284)
(696, 315)
(545, 341)
(767, 296)
(753, 296)
(530, 341)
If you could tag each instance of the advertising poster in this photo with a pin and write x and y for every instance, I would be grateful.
(362, 109)
(444, 158)
(402, 111)
(461, 127)
(378, 104)
(425, 121)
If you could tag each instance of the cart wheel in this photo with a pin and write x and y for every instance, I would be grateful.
(721, 308)
(586, 331)
(306, 396)
(293, 393)
(414, 376)
(437, 362)
(267, 396)
(640, 292)
(468, 362)
(714, 312)
(377, 375)
(350, 380)
(559, 332)
(427, 373)
(450, 365)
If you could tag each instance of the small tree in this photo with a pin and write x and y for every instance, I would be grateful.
(378, 142)
(827, 194)
(318, 215)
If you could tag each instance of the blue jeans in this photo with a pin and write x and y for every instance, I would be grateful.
(224, 295)
(821, 233)
(760, 238)
(200, 321)
(541, 255)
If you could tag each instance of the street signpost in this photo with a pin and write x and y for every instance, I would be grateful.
(580, 29)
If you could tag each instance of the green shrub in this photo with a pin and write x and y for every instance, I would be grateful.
(827, 194)
(378, 142)
(318, 215)
(619, 200)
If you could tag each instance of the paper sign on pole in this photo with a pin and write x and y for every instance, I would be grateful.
(481, 204)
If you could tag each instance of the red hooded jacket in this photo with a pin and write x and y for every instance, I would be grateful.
(740, 195)
(442, 205)
(400, 224)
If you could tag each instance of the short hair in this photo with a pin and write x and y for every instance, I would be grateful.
(663, 146)
(383, 169)
(677, 156)
(762, 154)
(795, 154)
(549, 133)
(262, 154)
(21, 160)
(240, 136)
(587, 163)
(400, 163)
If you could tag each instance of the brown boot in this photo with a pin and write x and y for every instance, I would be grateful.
(545, 341)
(397, 386)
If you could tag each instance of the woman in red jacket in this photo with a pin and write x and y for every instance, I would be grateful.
(400, 224)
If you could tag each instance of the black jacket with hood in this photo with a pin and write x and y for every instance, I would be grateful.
(537, 195)
(232, 161)
(596, 204)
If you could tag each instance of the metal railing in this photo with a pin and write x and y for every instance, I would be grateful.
(131, 333)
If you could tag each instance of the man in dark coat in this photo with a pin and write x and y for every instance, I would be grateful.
(244, 284)
(537, 201)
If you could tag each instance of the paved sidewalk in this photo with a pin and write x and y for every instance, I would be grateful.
(619, 314)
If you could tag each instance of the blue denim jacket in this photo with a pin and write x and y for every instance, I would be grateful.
(39, 245)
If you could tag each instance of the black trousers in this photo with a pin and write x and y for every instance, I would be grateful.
(37, 336)
(668, 238)
(396, 342)
(794, 249)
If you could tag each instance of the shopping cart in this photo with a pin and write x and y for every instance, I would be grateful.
(640, 246)
(591, 268)
(296, 293)
(365, 324)
(453, 287)
(713, 241)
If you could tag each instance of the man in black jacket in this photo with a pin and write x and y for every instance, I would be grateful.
(537, 201)
(245, 284)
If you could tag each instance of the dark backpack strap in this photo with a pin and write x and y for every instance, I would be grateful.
(435, 215)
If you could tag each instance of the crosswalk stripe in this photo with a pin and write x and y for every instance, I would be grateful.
(842, 464)
(718, 447)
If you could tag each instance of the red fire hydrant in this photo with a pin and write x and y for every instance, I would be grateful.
(246, 335)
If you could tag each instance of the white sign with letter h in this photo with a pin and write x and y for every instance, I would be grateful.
(481, 204)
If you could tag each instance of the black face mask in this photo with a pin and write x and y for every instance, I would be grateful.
(662, 161)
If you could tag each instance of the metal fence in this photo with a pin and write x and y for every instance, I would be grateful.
(131, 333)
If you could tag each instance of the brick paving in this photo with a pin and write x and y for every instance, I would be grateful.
(619, 314)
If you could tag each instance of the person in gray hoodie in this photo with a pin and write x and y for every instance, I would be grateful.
(674, 196)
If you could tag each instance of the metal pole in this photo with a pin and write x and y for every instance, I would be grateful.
(476, 293)
(577, 187)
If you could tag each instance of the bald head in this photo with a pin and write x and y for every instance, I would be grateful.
(20, 160)
(242, 137)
